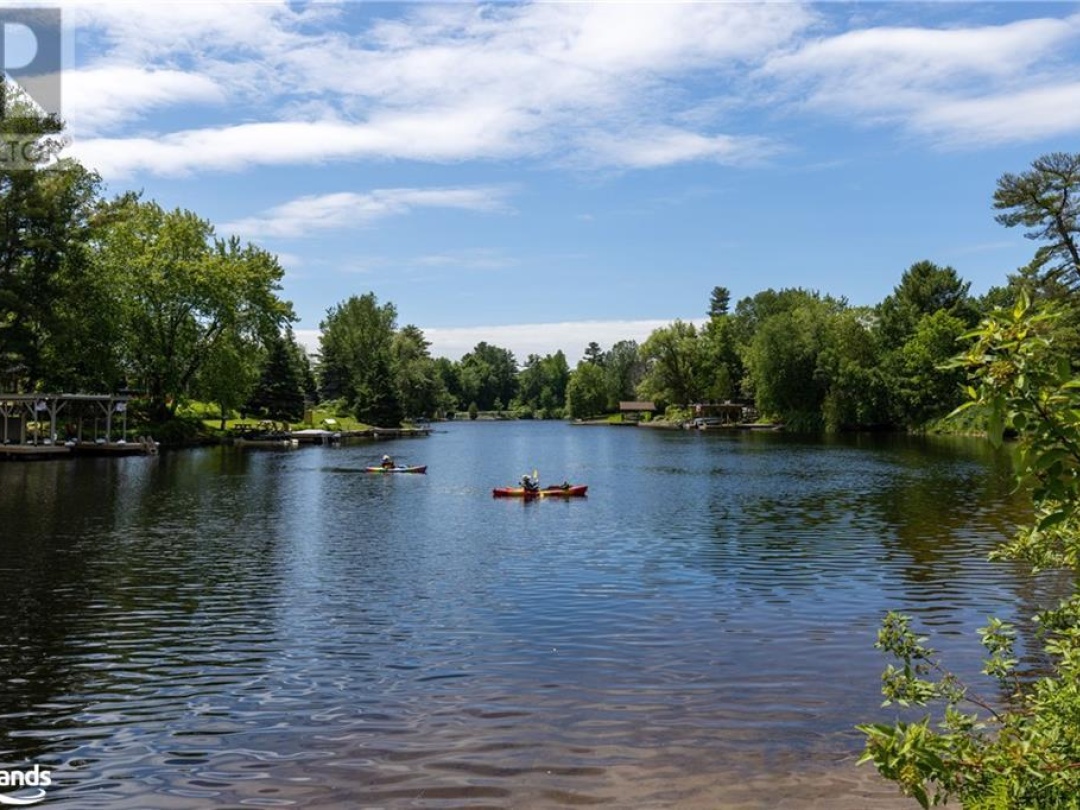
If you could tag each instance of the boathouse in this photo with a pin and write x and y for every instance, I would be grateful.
(722, 413)
(637, 411)
(48, 425)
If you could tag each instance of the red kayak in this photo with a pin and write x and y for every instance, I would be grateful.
(567, 491)
(396, 469)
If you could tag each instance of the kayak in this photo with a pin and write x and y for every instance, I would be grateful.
(396, 469)
(568, 491)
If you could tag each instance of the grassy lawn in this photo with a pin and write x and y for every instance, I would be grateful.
(211, 419)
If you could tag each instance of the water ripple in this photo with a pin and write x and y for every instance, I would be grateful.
(236, 629)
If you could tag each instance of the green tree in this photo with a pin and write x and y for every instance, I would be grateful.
(856, 395)
(673, 364)
(279, 392)
(420, 388)
(624, 370)
(722, 368)
(918, 325)
(594, 354)
(924, 289)
(530, 383)
(542, 384)
(447, 372)
(181, 292)
(586, 392)
(784, 359)
(1046, 201)
(488, 373)
(356, 365)
(923, 386)
(228, 376)
(56, 329)
(1023, 749)
(751, 312)
(719, 302)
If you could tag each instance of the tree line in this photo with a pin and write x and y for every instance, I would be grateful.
(119, 294)
(807, 359)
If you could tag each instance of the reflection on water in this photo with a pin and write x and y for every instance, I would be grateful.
(229, 627)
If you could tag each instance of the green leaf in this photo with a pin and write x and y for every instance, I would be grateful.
(1053, 519)
(1045, 460)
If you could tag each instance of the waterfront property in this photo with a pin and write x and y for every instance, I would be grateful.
(38, 426)
(726, 414)
(636, 411)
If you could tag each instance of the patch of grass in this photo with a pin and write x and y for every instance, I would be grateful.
(210, 417)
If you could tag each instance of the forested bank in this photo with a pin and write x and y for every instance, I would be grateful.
(120, 294)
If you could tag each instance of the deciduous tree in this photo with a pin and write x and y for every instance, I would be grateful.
(1021, 747)
(357, 359)
(181, 291)
(586, 393)
(673, 361)
(488, 374)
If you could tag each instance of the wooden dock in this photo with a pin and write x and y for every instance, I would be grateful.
(37, 452)
(254, 436)
(33, 452)
(386, 433)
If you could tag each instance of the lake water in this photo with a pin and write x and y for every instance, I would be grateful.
(240, 628)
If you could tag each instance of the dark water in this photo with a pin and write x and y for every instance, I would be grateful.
(239, 628)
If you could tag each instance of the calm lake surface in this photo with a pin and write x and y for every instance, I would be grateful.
(251, 628)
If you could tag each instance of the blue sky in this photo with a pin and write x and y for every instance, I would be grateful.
(543, 175)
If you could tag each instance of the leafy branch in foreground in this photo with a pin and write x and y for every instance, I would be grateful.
(1022, 749)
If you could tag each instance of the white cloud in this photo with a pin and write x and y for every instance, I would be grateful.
(929, 57)
(1038, 113)
(443, 83)
(962, 85)
(596, 84)
(476, 259)
(664, 146)
(140, 31)
(310, 214)
(103, 97)
(461, 133)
